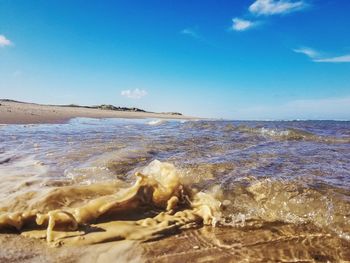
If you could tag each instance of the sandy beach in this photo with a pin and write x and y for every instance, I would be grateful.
(12, 112)
(174, 131)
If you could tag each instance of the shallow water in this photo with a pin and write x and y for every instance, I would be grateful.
(272, 190)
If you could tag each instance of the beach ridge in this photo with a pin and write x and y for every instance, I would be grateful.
(18, 112)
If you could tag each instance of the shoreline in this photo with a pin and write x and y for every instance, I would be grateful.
(15, 112)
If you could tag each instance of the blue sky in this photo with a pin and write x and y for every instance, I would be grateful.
(249, 59)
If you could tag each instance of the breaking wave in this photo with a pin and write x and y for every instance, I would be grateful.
(161, 202)
(71, 216)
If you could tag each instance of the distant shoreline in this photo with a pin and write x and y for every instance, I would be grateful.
(18, 112)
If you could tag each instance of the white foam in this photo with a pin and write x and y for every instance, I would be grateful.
(156, 122)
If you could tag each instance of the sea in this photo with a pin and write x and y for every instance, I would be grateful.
(183, 190)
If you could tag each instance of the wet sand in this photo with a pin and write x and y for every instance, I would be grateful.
(274, 242)
(30, 113)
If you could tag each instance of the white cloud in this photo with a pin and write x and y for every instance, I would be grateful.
(4, 41)
(134, 94)
(190, 32)
(339, 59)
(317, 57)
(307, 51)
(241, 24)
(267, 8)
(274, 7)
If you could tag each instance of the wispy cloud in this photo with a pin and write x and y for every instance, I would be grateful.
(317, 57)
(134, 94)
(194, 33)
(274, 7)
(191, 33)
(267, 8)
(242, 24)
(4, 41)
(339, 59)
(311, 53)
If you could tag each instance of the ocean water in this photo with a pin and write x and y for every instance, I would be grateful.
(226, 190)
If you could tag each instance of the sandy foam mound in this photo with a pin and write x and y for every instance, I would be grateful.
(158, 203)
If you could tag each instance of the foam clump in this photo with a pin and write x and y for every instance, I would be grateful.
(158, 203)
(157, 122)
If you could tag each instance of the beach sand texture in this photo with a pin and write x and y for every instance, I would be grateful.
(12, 112)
